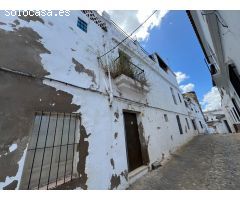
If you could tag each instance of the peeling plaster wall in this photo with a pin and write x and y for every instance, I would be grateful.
(56, 48)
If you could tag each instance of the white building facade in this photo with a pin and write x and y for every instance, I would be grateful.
(84, 121)
(217, 122)
(195, 113)
(218, 35)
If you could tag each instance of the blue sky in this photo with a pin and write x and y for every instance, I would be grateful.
(170, 34)
(177, 44)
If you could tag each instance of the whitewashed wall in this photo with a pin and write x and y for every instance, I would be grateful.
(230, 39)
(65, 41)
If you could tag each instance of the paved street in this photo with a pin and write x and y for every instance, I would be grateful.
(206, 162)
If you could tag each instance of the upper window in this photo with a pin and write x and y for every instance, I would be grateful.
(201, 124)
(173, 96)
(166, 117)
(187, 123)
(194, 125)
(179, 98)
(82, 24)
(179, 124)
(161, 63)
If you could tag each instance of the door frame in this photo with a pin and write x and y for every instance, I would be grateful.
(138, 114)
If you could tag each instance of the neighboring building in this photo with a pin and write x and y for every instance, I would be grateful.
(71, 118)
(195, 112)
(217, 122)
(218, 35)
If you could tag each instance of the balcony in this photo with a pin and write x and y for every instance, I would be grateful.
(128, 75)
(122, 65)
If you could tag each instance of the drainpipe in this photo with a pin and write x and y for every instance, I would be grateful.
(108, 89)
(110, 84)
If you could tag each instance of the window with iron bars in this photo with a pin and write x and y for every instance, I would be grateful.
(51, 155)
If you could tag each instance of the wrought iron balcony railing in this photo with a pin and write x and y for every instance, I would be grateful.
(124, 66)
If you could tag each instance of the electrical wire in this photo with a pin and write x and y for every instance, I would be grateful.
(128, 35)
(221, 21)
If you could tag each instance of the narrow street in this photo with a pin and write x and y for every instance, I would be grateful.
(206, 162)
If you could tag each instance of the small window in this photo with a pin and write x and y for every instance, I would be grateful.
(194, 125)
(173, 96)
(179, 98)
(161, 63)
(200, 124)
(187, 123)
(82, 24)
(179, 124)
(186, 104)
(51, 151)
(166, 117)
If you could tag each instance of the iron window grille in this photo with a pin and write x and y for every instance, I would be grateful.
(82, 25)
(123, 66)
(51, 155)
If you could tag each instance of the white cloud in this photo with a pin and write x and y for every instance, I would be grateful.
(211, 100)
(180, 76)
(129, 20)
(187, 88)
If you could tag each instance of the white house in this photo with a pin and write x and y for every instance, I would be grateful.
(217, 121)
(219, 36)
(75, 115)
(195, 113)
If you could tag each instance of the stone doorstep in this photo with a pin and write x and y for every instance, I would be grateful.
(137, 173)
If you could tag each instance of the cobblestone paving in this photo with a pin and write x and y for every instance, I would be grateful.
(206, 162)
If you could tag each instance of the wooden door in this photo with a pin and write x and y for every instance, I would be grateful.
(134, 152)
